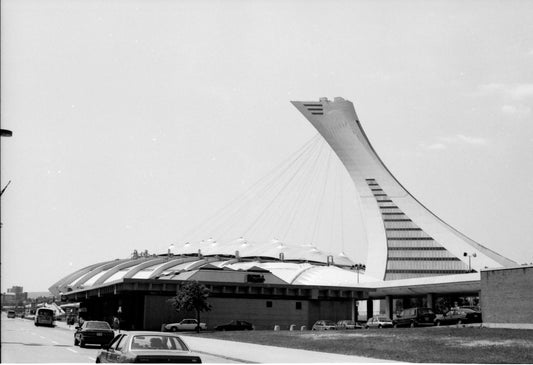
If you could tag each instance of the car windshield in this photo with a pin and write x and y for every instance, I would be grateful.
(98, 325)
(157, 342)
(425, 311)
(383, 319)
(329, 323)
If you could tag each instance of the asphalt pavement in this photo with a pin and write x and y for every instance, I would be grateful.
(252, 353)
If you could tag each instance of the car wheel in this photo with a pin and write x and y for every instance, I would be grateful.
(412, 325)
(174, 329)
(437, 323)
(98, 360)
(380, 326)
(76, 342)
(82, 344)
(395, 325)
(460, 322)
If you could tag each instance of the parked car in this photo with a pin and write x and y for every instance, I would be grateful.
(348, 324)
(459, 316)
(147, 347)
(235, 326)
(412, 317)
(185, 325)
(93, 332)
(11, 314)
(378, 322)
(324, 325)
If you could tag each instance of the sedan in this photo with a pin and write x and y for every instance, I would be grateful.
(185, 325)
(348, 324)
(147, 347)
(324, 325)
(378, 322)
(235, 326)
(93, 332)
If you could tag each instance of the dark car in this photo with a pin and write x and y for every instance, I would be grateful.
(11, 314)
(459, 316)
(235, 326)
(147, 347)
(93, 332)
(412, 317)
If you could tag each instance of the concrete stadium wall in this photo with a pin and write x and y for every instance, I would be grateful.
(281, 312)
(506, 297)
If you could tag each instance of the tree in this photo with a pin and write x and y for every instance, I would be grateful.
(192, 296)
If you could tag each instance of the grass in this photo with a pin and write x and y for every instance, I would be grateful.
(428, 345)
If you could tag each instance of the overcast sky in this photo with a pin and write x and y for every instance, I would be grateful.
(133, 120)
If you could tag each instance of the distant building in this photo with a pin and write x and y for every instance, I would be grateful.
(15, 296)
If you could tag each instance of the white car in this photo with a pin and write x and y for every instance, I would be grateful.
(185, 325)
(378, 322)
(324, 325)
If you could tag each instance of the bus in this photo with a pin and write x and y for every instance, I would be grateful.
(44, 317)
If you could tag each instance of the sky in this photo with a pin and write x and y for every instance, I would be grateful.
(133, 121)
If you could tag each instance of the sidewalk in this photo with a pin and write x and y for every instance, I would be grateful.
(260, 354)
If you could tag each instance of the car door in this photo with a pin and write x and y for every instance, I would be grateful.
(185, 325)
(114, 352)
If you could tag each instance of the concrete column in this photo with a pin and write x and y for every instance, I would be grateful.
(388, 306)
(406, 302)
(369, 308)
(430, 301)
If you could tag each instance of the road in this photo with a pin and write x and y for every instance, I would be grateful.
(23, 342)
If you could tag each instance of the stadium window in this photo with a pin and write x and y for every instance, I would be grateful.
(298, 305)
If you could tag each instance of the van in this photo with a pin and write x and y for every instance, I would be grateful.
(413, 317)
(44, 317)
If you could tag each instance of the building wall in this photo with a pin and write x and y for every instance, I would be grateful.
(282, 312)
(507, 297)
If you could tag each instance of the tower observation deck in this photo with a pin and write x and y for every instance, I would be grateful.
(405, 239)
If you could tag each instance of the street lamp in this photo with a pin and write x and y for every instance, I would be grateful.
(469, 259)
(359, 267)
(5, 133)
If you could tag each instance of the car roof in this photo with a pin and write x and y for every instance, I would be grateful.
(150, 333)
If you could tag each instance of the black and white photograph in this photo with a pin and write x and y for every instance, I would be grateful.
(266, 181)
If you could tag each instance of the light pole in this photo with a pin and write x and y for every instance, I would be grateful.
(5, 133)
(359, 267)
(469, 259)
